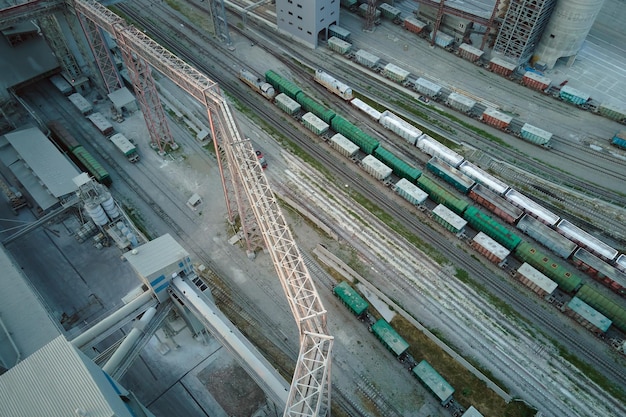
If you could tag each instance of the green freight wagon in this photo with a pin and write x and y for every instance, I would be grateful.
(400, 168)
(434, 382)
(390, 338)
(92, 165)
(450, 174)
(312, 106)
(351, 298)
(364, 141)
(604, 305)
(282, 85)
(567, 281)
(441, 196)
(492, 228)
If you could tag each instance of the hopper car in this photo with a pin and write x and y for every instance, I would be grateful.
(486, 190)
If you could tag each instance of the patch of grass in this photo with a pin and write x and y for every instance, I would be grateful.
(591, 372)
(469, 390)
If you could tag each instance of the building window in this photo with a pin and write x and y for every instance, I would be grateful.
(299, 27)
(300, 17)
(309, 32)
(290, 14)
(299, 6)
(322, 8)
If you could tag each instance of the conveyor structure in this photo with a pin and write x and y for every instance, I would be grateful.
(309, 393)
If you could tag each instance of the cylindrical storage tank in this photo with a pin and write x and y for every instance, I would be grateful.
(566, 30)
(132, 239)
(109, 206)
(96, 212)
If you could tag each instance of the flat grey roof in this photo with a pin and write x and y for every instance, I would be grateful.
(155, 255)
(22, 313)
(121, 97)
(24, 61)
(47, 163)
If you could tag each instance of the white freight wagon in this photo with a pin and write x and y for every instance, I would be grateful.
(376, 168)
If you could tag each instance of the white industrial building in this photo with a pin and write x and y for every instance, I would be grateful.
(307, 20)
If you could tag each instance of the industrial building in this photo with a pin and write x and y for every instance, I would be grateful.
(307, 20)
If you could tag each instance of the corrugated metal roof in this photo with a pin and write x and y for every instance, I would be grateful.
(30, 325)
(156, 255)
(56, 381)
(48, 164)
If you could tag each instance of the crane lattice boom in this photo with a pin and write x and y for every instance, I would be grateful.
(309, 394)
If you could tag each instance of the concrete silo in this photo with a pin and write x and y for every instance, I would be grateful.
(566, 31)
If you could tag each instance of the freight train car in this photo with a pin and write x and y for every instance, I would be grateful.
(376, 168)
(531, 207)
(400, 127)
(434, 382)
(364, 141)
(496, 204)
(613, 111)
(264, 88)
(426, 87)
(282, 85)
(339, 45)
(410, 192)
(480, 221)
(566, 280)
(548, 237)
(399, 167)
(333, 85)
(451, 175)
(441, 196)
(619, 139)
(312, 106)
(366, 108)
(482, 177)
(351, 299)
(601, 271)
(92, 165)
(80, 103)
(413, 25)
(101, 123)
(606, 306)
(496, 119)
(339, 32)
(390, 338)
(536, 81)
(585, 240)
(433, 148)
(535, 135)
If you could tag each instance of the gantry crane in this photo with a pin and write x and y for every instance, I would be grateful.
(309, 393)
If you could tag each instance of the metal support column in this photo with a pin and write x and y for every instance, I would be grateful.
(148, 97)
(103, 57)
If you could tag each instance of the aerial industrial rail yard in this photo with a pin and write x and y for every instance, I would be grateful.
(428, 219)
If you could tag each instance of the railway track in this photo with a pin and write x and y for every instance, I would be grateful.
(506, 292)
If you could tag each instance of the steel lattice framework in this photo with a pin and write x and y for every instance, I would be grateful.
(309, 394)
(56, 40)
(104, 61)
